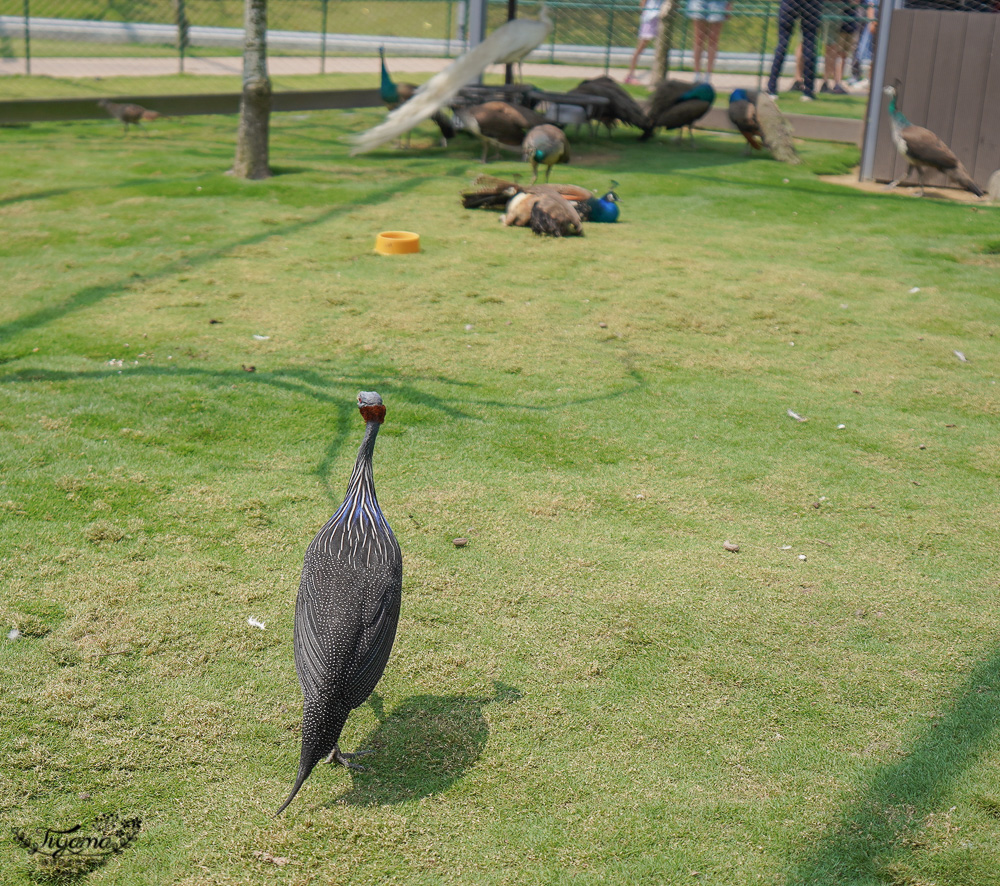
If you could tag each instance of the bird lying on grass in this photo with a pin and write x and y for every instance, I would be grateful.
(347, 609)
(545, 211)
(495, 193)
(922, 149)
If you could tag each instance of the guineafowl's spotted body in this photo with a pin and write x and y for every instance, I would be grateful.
(347, 608)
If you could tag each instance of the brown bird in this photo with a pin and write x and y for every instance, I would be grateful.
(128, 113)
(498, 123)
(621, 107)
(545, 211)
(495, 193)
(922, 149)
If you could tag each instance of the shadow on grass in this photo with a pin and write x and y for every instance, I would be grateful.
(91, 295)
(423, 747)
(871, 833)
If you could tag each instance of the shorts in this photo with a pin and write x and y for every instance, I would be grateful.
(706, 10)
(649, 25)
(842, 41)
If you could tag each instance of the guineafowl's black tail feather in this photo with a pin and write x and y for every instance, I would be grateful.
(323, 720)
(301, 780)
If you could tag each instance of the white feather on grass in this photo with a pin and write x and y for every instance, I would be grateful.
(508, 44)
(255, 623)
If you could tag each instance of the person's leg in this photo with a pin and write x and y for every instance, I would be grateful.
(786, 21)
(698, 46)
(714, 30)
(810, 12)
(643, 43)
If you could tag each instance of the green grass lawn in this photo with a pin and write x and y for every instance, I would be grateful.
(592, 690)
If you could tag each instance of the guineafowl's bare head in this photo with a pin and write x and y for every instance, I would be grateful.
(371, 406)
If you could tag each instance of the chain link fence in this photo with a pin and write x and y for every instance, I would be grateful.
(107, 38)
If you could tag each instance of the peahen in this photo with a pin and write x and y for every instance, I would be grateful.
(128, 112)
(545, 144)
(676, 104)
(922, 149)
(759, 121)
(498, 124)
(621, 107)
(347, 609)
(394, 94)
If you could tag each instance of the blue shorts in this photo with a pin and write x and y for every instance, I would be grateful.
(707, 10)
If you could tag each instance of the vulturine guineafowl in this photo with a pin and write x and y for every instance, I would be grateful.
(347, 609)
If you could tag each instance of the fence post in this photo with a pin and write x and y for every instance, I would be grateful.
(27, 37)
(183, 36)
(322, 39)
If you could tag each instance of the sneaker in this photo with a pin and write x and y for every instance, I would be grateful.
(825, 87)
(806, 98)
(773, 95)
(632, 81)
(839, 90)
(797, 86)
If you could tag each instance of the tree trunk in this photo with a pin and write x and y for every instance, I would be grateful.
(665, 41)
(255, 107)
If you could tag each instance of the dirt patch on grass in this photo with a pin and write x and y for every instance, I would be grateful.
(953, 194)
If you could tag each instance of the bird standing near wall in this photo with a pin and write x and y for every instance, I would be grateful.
(676, 104)
(394, 94)
(128, 112)
(347, 609)
(922, 149)
(508, 44)
(545, 144)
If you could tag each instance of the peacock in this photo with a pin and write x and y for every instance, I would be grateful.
(545, 144)
(394, 94)
(676, 104)
(496, 193)
(621, 107)
(498, 124)
(759, 121)
(922, 149)
(545, 211)
(508, 44)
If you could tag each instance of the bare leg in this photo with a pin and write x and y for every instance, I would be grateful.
(714, 30)
(698, 45)
(643, 43)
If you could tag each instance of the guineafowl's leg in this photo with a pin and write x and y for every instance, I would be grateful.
(920, 181)
(548, 172)
(344, 759)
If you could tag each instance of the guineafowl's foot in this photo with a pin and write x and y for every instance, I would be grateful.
(344, 758)
(892, 185)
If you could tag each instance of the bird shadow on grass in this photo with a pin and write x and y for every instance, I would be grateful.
(423, 746)
(91, 295)
(878, 828)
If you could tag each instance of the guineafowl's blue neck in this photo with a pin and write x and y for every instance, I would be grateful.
(603, 210)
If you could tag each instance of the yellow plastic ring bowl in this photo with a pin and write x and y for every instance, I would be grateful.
(397, 243)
